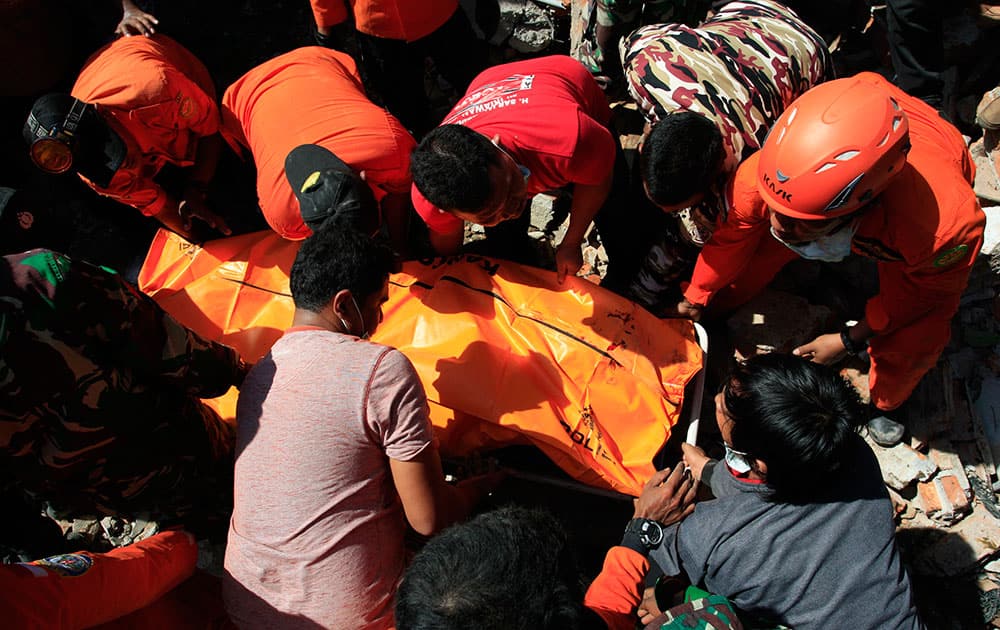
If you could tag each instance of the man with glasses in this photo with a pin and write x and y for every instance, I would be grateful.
(523, 128)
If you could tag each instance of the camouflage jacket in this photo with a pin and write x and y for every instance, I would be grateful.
(740, 69)
(100, 388)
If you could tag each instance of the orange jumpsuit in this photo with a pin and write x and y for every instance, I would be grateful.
(84, 589)
(398, 19)
(312, 95)
(616, 592)
(924, 231)
(161, 101)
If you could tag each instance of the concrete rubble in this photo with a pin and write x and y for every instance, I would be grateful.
(943, 483)
(903, 466)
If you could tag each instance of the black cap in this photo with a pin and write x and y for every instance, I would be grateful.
(326, 187)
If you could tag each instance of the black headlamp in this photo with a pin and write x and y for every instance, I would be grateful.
(52, 149)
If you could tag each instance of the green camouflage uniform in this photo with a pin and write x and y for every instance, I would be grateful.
(100, 392)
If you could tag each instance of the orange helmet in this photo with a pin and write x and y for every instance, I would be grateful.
(833, 150)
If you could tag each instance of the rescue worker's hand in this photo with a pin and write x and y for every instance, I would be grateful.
(193, 205)
(684, 309)
(667, 497)
(135, 21)
(649, 609)
(695, 459)
(569, 260)
(825, 349)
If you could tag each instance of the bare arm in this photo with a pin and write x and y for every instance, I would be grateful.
(195, 203)
(429, 502)
(395, 215)
(447, 243)
(587, 201)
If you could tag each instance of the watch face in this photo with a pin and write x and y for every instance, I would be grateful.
(651, 533)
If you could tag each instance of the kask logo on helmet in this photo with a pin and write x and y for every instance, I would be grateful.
(778, 192)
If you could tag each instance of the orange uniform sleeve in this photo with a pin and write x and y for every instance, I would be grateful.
(85, 589)
(131, 188)
(734, 241)
(329, 13)
(616, 593)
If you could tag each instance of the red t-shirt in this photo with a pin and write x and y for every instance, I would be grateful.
(312, 95)
(551, 117)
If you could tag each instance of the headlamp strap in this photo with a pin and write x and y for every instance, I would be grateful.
(74, 117)
(68, 127)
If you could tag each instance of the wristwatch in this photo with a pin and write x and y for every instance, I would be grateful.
(643, 533)
(853, 347)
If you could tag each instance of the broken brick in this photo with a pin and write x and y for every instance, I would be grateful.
(943, 499)
(901, 465)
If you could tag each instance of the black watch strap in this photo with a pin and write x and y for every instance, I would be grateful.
(852, 347)
(642, 535)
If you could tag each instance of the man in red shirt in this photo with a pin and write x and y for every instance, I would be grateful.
(331, 110)
(521, 129)
(139, 104)
(856, 165)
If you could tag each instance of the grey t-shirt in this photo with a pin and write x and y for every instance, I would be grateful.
(829, 564)
(316, 538)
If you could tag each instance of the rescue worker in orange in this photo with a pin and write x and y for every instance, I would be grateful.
(856, 165)
(391, 40)
(331, 111)
(139, 104)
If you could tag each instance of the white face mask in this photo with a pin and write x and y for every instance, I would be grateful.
(738, 461)
(833, 247)
(347, 328)
(364, 326)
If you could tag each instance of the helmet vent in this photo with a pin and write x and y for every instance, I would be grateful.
(844, 195)
(781, 135)
(884, 139)
(847, 155)
(825, 167)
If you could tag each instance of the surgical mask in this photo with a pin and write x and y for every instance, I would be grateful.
(364, 326)
(738, 461)
(830, 248)
(347, 328)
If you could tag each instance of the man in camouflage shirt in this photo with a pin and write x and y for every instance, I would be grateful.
(709, 95)
(100, 389)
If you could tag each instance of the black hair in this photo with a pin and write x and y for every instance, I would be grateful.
(338, 257)
(682, 156)
(450, 168)
(509, 569)
(796, 416)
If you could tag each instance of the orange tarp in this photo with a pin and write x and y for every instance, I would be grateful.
(507, 356)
